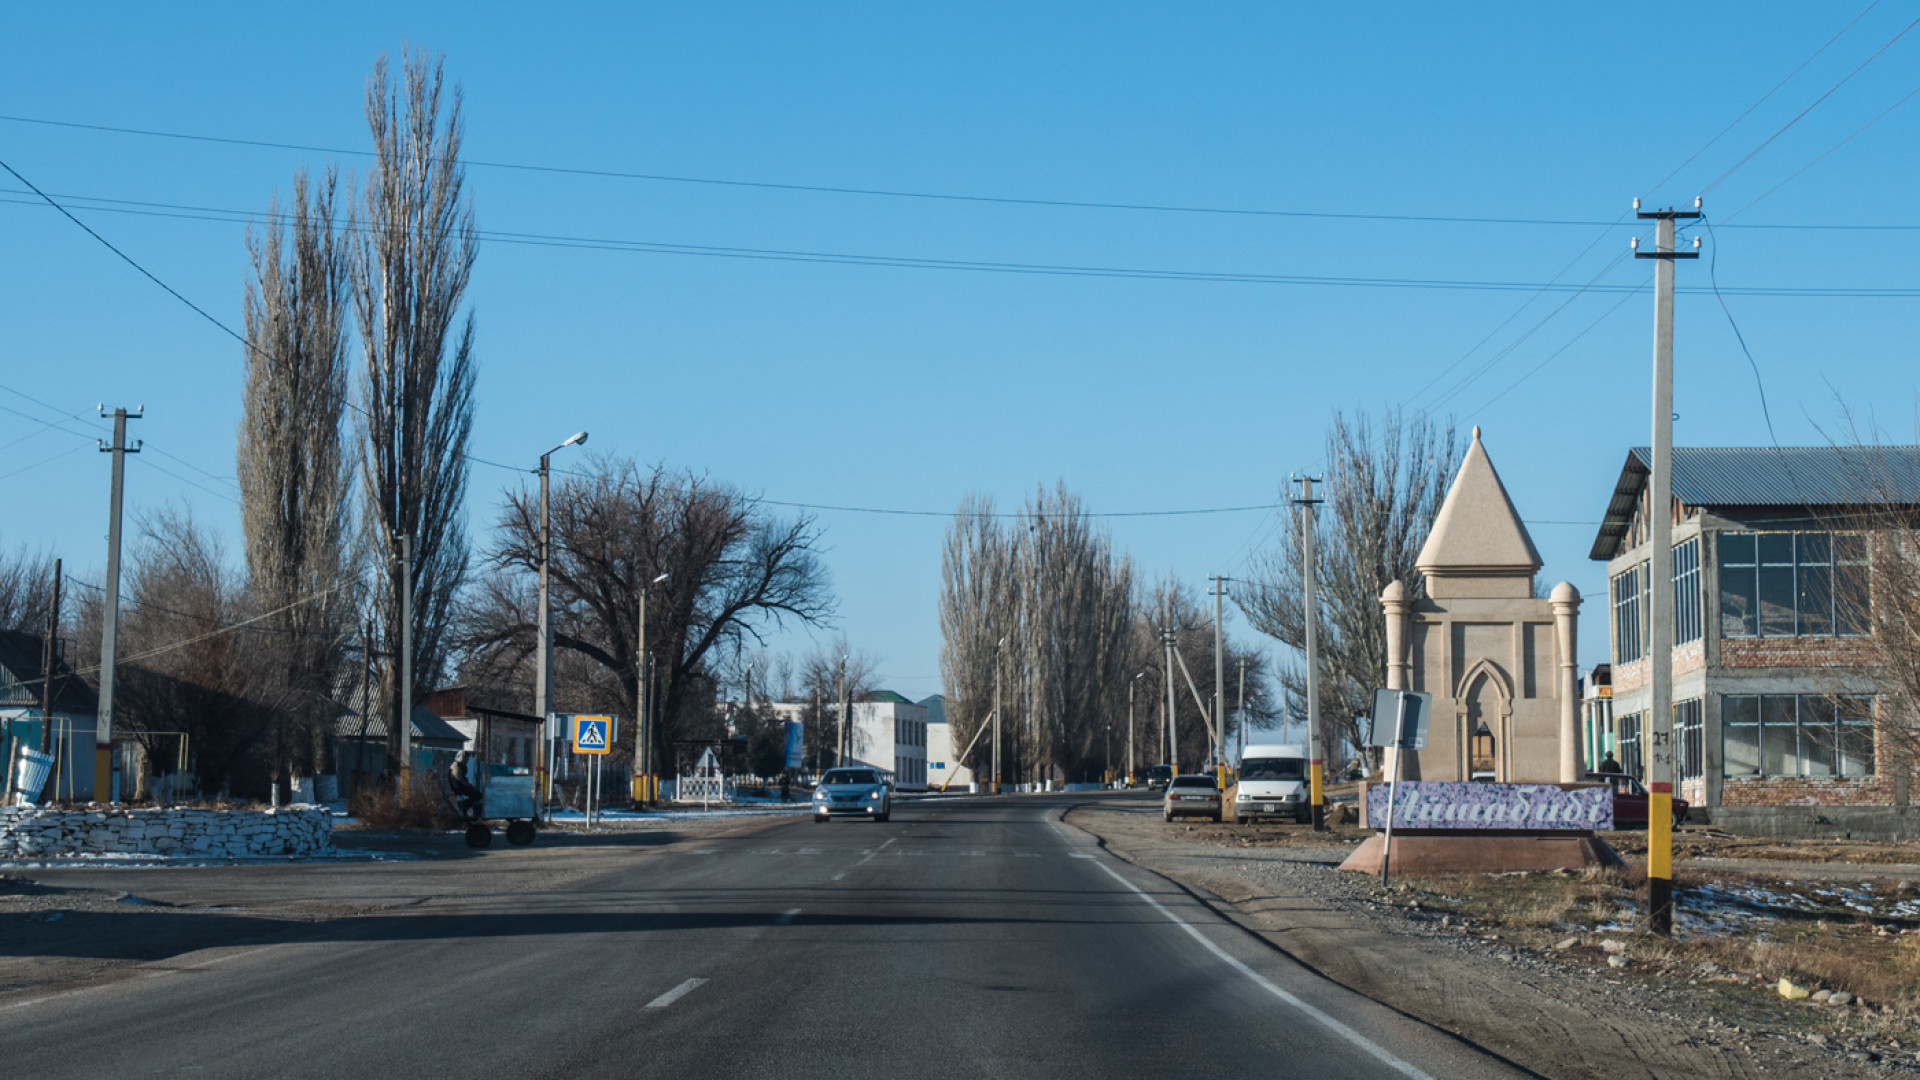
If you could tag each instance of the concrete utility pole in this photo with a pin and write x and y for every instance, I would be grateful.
(1173, 729)
(406, 659)
(1240, 713)
(997, 650)
(840, 753)
(110, 616)
(1132, 685)
(1660, 762)
(1219, 686)
(52, 657)
(543, 668)
(1316, 761)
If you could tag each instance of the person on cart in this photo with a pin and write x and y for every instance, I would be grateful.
(463, 789)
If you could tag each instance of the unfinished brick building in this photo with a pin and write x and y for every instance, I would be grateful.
(1774, 703)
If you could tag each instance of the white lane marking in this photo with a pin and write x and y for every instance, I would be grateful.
(707, 851)
(674, 994)
(837, 877)
(889, 843)
(788, 917)
(1335, 1026)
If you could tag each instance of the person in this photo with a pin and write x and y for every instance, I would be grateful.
(463, 789)
(1609, 766)
(786, 786)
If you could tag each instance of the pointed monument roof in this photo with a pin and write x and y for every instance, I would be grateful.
(1477, 532)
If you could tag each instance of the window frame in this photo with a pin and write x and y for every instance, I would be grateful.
(1629, 590)
(1823, 728)
(1811, 579)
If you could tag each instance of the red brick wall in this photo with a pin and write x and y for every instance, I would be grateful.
(1630, 676)
(1760, 652)
(1806, 791)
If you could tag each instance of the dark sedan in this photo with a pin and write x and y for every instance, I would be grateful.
(1630, 801)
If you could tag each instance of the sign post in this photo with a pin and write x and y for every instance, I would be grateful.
(593, 735)
(1400, 722)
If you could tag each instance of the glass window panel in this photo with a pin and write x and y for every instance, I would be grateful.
(1813, 548)
(1736, 549)
(1852, 598)
(1779, 736)
(1856, 749)
(1776, 601)
(1740, 750)
(1817, 750)
(1775, 548)
(1739, 601)
(1816, 600)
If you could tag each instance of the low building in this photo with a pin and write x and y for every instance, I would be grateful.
(944, 767)
(1773, 701)
(75, 712)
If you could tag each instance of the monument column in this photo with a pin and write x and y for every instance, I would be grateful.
(1566, 629)
(1393, 600)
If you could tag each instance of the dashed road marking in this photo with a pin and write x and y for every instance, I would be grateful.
(675, 994)
(788, 917)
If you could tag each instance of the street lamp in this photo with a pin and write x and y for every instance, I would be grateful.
(1131, 685)
(644, 789)
(543, 673)
(997, 649)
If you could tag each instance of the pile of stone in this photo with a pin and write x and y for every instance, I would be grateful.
(179, 831)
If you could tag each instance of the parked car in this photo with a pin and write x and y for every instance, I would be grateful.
(1630, 801)
(1157, 777)
(852, 792)
(1192, 795)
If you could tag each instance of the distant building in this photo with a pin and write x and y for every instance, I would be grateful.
(75, 712)
(944, 768)
(889, 733)
(1773, 703)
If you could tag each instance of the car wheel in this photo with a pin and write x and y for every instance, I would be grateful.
(819, 819)
(883, 815)
(520, 833)
(478, 835)
(1167, 814)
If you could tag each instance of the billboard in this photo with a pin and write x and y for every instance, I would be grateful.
(1472, 807)
(796, 741)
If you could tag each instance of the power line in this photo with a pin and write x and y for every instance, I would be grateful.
(1821, 157)
(1768, 141)
(895, 193)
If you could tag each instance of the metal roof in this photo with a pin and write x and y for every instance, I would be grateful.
(1827, 477)
(21, 658)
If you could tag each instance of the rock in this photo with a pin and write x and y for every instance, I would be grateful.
(1840, 997)
(1566, 943)
(1616, 961)
(1792, 992)
(1817, 1039)
(1822, 995)
(1614, 947)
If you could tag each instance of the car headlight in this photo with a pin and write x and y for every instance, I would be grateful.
(874, 794)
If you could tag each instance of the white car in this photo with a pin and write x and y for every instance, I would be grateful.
(850, 792)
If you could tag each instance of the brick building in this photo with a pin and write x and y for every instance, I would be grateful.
(1773, 703)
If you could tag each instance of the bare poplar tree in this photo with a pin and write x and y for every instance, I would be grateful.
(1384, 483)
(1884, 598)
(26, 591)
(292, 463)
(412, 258)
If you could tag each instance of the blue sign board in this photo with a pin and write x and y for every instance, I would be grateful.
(796, 740)
(592, 734)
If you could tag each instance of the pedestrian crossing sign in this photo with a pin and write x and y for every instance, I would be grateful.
(592, 734)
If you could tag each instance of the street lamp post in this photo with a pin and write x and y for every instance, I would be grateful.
(646, 785)
(543, 673)
(1132, 684)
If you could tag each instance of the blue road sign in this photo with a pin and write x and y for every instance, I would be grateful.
(592, 734)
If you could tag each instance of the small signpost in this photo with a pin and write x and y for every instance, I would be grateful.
(593, 735)
(1399, 722)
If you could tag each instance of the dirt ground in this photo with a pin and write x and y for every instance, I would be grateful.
(53, 934)
(1435, 950)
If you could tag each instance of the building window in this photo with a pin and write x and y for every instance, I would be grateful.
(1783, 584)
(1629, 755)
(1690, 732)
(1797, 735)
(1686, 591)
(1629, 615)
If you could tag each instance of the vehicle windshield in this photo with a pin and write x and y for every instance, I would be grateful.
(1199, 780)
(850, 776)
(1273, 769)
(1160, 770)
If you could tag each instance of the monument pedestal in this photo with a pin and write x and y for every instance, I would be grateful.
(1420, 851)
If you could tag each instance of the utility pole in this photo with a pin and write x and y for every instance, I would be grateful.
(46, 680)
(997, 650)
(110, 616)
(1660, 762)
(1219, 687)
(643, 731)
(1132, 684)
(840, 752)
(1173, 728)
(543, 668)
(1316, 761)
(405, 726)
(1240, 713)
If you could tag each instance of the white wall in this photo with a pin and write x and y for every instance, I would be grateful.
(942, 763)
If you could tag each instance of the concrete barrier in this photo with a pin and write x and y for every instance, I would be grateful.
(179, 831)
(1815, 822)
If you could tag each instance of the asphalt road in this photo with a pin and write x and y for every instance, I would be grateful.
(963, 938)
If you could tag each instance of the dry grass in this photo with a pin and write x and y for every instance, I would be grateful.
(414, 809)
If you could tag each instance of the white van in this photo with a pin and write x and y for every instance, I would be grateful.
(1273, 783)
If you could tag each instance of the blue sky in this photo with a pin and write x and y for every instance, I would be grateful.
(907, 387)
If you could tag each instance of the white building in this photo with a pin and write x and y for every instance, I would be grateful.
(944, 769)
(890, 734)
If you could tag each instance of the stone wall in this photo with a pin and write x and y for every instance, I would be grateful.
(291, 830)
(1806, 791)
